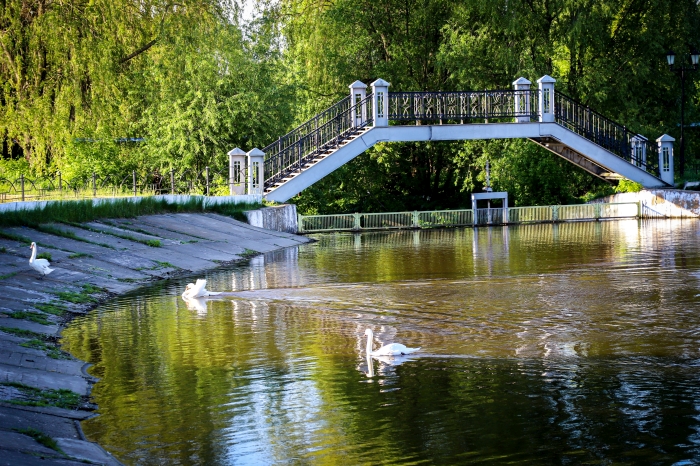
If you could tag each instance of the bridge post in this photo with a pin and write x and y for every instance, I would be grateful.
(256, 162)
(666, 158)
(639, 150)
(236, 171)
(546, 98)
(380, 109)
(522, 100)
(358, 93)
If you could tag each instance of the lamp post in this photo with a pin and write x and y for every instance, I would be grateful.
(671, 58)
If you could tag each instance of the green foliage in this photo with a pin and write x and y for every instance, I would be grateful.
(36, 397)
(154, 243)
(21, 332)
(627, 186)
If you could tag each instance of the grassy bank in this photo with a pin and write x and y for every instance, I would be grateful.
(86, 211)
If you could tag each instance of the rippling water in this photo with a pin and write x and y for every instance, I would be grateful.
(568, 344)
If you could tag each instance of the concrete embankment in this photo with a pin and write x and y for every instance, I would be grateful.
(670, 203)
(92, 263)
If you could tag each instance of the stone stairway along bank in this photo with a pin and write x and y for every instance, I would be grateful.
(93, 263)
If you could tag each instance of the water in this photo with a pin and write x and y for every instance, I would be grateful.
(543, 344)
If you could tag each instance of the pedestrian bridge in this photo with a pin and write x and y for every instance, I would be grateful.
(547, 117)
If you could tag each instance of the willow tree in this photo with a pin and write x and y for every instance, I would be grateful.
(80, 77)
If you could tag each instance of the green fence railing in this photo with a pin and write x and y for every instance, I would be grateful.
(465, 217)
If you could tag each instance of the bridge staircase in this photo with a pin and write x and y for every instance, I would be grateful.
(550, 119)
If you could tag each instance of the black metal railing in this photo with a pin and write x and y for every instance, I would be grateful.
(612, 136)
(317, 140)
(458, 107)
(308, 127)
(26, 187)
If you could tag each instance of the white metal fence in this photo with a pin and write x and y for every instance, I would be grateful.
(465, 217)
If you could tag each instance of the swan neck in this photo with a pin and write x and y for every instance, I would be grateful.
(31, 259)
(369, 343)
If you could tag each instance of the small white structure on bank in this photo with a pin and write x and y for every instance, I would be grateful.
(236, 171)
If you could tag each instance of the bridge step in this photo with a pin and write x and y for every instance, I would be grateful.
(566, 152)
(291, 173)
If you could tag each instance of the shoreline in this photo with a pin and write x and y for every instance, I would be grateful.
(92, 262)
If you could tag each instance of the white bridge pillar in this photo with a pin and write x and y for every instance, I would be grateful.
(256, 163)
(236, 171)
(546, 100)
(666, 158)
(522, 100)
(358, 93)
(380, 109)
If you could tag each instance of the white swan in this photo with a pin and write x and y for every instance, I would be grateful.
(392, 349)
(198, 290)
(40, 265)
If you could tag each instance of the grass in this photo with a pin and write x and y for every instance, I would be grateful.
(249, 253)
(81, 297)
(150, 242)
(44, 255)
(41, 437)
(31, 316)
(78, 255)
(2, 249)
(86, 211)
(36, 397)
(65, 234)
(51, 308)
(8, 275)
(51, 350)
(20, 332)
(233, 210)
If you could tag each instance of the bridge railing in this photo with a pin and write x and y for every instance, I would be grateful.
(308, 127)
(458, 107)
(465, 217)
(606, 133)
(319, 139)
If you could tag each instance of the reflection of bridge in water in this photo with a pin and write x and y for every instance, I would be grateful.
(550, 119)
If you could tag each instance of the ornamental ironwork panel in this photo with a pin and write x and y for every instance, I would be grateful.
(456, 107)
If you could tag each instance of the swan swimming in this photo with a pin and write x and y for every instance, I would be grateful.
(198, 290)
(392, 349)
(40, 265)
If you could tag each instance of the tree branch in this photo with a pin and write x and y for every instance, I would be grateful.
(138, 52)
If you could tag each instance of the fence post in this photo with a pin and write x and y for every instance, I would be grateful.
(555, 213)
(94, 185)
(207, 172)
(597, 211)
(522, 100)
(546, 98)
(639, 208)
(60, 188)
(416, 219)
(356, 223)
(172, 181)
(300, 223)
(133, 173)
(21, 179)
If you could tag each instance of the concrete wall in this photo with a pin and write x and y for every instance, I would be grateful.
(674, 203)
(281, 218)
(170, 198)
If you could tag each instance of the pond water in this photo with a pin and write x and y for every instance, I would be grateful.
(566, 344)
